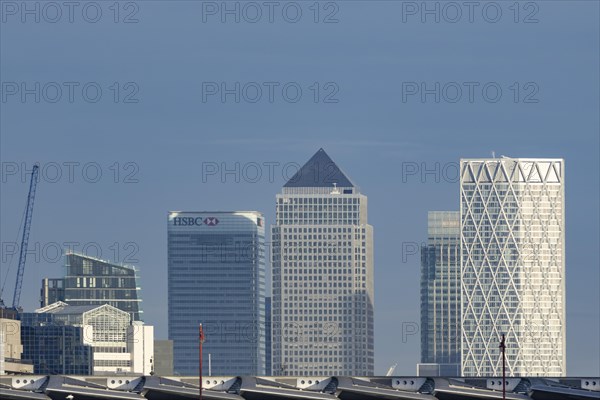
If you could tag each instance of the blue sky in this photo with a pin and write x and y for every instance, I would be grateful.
(368, 61)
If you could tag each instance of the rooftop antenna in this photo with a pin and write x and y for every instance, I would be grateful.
(335, 189)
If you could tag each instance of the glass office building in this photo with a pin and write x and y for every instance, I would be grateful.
(216, 268)
(440, 296)
(91, 281)
(55, 349)
(322, 261)
(513, 266)
(85, 340)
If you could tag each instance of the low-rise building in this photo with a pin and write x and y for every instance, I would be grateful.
(98, 340)
(11, 349)
(163, 357)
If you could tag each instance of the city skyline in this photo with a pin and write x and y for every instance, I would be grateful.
(416, 302)
(194, 105)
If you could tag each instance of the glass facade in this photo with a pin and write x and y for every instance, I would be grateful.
(513, 266)
(85, 340)
(90, 281)
(53, 290)
(440, 290)
(268, 340)
(55, 349)
(216, 263)
(322, 259)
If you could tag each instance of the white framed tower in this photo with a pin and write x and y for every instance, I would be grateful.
(513, 266)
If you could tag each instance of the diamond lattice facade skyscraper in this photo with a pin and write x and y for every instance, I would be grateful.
(322, 261)
(513, 266)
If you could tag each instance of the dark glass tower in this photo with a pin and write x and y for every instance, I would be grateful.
(440, 296)
(217, 279)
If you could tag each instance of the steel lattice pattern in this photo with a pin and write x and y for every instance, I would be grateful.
(512, 266)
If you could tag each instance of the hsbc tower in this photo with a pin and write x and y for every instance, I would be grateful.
(216, 268)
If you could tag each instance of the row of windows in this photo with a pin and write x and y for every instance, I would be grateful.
(325, 285)
(109, 349)
(341, 215)
(77, 266)
(321, 257)
(317, 221)
(317, 200)
(319, 264)
(310, 311)
(318, 230)
(318, 353)
(321, 271)
(311, 291)
(320, 278)
(300, 362)
(317, 208)
(342, 315)
(112, 363)
(325, 251)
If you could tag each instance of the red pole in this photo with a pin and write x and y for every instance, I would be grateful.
(201, 341)
(503, 348)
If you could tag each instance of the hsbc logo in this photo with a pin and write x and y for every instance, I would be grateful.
(211, 221)
(195, 221)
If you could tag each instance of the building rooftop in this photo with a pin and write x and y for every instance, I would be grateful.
(69, 310)
(319, 171)
(60, 308)
(8, 313)
(111, 263)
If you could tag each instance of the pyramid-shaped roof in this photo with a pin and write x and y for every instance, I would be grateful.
(319, 171)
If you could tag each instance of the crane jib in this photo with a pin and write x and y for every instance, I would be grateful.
(25, 238)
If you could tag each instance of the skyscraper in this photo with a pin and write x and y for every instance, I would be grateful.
(322, 261)
(513, 266)
(91, 281)
(440, 296)
(217, 278)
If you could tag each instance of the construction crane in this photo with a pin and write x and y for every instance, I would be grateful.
(25, 237)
